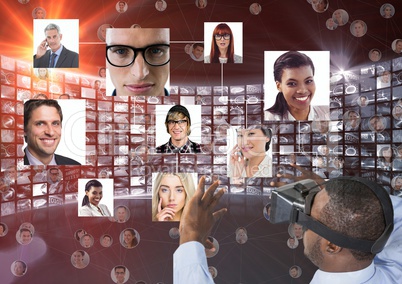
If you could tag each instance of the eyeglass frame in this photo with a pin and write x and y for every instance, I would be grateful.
(222, 36)
(179, 122)
(136, 51)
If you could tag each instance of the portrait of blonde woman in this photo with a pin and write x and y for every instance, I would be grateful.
(170, 193)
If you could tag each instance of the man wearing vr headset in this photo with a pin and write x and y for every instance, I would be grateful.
(354, 230)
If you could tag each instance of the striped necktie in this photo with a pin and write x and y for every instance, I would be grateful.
(52, 60)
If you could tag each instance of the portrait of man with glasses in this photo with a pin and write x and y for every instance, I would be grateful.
(138, 61)
(178, 125)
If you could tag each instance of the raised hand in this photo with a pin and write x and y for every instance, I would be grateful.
(41, 49)
(305, 175)
(165, 214)
(198, 216)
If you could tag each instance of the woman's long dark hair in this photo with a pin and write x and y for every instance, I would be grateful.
(290, 59)
(91, 183)
(222, 29)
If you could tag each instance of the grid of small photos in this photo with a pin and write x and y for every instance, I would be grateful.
(120, 134)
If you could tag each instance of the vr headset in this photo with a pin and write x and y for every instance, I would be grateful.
(293, 202)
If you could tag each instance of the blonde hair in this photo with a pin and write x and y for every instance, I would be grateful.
(186, 180)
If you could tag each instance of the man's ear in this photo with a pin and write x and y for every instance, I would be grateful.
(331, 248)
(61, 36)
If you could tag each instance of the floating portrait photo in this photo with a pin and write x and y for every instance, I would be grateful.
(129, 238)
(3, 229)
(106, 240)
(38, 13)
(68, 147)
(223, 42)
(170, 194)
(201, 4)
(95, 197)
(121, 6)
(120, 274)
(184, 125)
(87, 241)
(121, 214)
(123, 77)
(248, 146)
(80, 259)
(309, 85)
(56, 43)
(24, 236)
(19, 268)
(196, 51)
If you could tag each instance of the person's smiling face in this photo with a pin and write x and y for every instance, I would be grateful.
(95, 195)
(128, 237)
(198, 51)
(106, 241)
(298, 87)
(178, 130)
(25, 237)
(78, 258)
(19, 268)
(43, 133)
(252, 142)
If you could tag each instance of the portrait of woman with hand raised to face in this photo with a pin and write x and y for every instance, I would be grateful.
(171, 192)
(250, 156)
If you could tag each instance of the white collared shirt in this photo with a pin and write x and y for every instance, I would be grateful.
(35, 162)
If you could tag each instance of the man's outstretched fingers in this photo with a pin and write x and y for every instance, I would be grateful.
(219, 214)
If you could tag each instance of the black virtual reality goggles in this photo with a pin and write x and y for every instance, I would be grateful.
(292, 203)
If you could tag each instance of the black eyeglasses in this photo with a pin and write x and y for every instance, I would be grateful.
(224, 36)
(124, 55)
(179, 122)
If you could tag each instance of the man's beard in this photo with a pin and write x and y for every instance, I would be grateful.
(315, 255)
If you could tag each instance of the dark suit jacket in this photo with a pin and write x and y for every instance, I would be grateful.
(67, 59)
(60, 160)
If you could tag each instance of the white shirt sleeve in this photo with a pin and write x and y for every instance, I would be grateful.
(388, 262)
(190, 265)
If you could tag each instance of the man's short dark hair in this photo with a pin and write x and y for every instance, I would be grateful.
(195, 45)
(53, 168)
(25, 230)
(355, 211)
(120, 266)
(31, 105)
